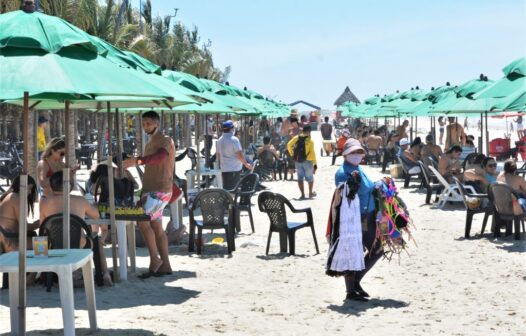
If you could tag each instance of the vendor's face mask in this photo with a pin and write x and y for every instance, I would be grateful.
(354, 159)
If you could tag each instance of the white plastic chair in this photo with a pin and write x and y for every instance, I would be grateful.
(451, 192)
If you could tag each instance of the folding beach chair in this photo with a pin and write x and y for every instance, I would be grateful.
(451, 192)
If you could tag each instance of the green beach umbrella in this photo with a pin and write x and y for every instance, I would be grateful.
(72, 71)
(39, 31)
(513, 82)
(228, 96)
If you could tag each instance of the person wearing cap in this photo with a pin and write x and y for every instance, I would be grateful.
(408, 156)
(41, 135)
(450, 165)
(346, 134)
(230, 156)
(305, 166)
(157, 184)
(353, 152)
(430, 150)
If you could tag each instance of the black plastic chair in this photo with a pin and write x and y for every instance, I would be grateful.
(216, 213)
(487, 209)
(53, 228)
(274, 206)
(430, 183)
(245, 189)
(268, 164)
(407, 175)
(85, 155)
(502, 197)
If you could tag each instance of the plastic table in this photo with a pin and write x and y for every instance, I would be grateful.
(63, 263)
(191, 174)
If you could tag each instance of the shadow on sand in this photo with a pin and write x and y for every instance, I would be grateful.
(281, 256)
(357, 307)
(98, 332)
(165, 292)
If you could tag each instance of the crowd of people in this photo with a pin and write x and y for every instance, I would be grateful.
(288, 143)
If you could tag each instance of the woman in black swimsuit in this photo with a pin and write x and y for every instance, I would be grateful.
(9, 211)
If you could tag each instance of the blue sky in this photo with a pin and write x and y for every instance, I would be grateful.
(311, 50)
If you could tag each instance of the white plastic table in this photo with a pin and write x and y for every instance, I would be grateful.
(63, 263)
(218, 181)
(122, 241)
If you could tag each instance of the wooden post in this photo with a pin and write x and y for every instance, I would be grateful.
(481, 138)
(111, 199)
(138, 134)
(65, 181)
(197, 143)
(487, 132)
(22, 229)
(411, 130)
(119, 142)
(25, 133)
(174, 129)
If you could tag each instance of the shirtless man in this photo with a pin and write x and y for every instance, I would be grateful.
(430, 150)
(374, 141)
(267, 146)
(54, 204)
(401, 131)
(454, 133)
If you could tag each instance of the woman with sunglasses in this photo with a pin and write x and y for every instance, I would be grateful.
(481, 178)
(51, 162)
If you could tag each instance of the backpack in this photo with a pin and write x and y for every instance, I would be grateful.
(299, 153)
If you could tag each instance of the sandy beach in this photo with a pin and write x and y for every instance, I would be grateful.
(446, 286)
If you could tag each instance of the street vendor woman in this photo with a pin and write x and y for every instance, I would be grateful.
(361, 213)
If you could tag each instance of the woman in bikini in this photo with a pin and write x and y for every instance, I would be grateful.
(9, 214)
(52, 161)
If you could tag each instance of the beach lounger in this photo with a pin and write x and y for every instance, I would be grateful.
(430, 182)
(451, 192)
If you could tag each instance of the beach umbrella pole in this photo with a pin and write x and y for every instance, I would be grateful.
(119, 142)
(481, 134)
(487, 132)
(198, 168)
(111, 200)
(65, 181)
(411, 130)
(22, 227)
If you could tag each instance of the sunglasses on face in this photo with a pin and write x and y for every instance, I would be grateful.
(492, 165)
(62, 153)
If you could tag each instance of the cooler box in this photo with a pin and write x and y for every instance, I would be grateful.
(396, 170)
(499, 148)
